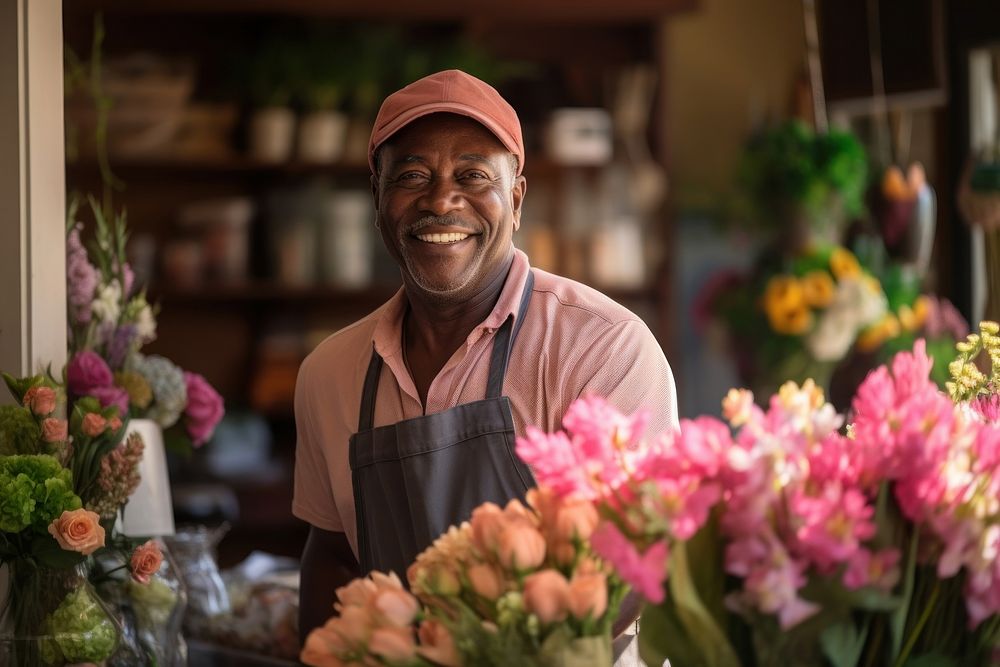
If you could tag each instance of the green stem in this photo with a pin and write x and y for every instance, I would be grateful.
(874, 645)
(924, 615)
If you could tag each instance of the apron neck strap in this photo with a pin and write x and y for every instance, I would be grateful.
(499, 358)
(504, 341)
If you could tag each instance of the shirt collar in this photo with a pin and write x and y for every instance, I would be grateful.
(388, 335)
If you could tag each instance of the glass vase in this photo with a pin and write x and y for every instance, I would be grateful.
(150, 613)
(55, 617)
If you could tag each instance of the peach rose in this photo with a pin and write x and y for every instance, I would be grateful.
(486, 522)
(437, 645)
(321, 649)
(521, 546)
(79, 530)
(54, 430)
(40, 400)
(146, 561)
(397, 607)
(393, 644)
(576, 518)
(94, 424)
(546, 594)
(114, 424)
(588, 595)
(357, 592)
(354, 625)
(486, 581)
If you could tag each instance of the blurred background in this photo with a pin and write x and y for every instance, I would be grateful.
(781, 189)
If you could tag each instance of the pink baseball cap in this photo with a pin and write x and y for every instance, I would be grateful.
(450, 91)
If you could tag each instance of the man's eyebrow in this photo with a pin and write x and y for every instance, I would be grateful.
(474, 157)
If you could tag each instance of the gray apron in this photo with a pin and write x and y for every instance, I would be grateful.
(415, 478)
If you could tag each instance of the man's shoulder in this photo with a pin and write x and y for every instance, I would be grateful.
(348, 343)
(573, 303)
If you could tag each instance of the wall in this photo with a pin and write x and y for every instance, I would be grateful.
(731, 65)
(32, 188)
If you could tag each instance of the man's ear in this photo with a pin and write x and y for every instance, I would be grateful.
(517, 198)
(375, 192)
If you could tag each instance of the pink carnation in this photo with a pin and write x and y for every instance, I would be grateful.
(645, 572)
(87, 371)
(111, 395)
(204, 408)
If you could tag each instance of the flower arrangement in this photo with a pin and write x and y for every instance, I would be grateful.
(792, 175)
(874, 545)
(801, 317)
(62, 483)
(110, 321)
(512, 586)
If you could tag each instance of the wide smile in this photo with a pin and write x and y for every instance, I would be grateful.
(442, 239)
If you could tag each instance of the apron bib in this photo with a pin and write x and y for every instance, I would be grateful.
(415, 478)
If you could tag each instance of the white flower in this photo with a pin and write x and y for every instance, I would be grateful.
(107, 305)
(145, 324)
(834, 334)
(855, 305)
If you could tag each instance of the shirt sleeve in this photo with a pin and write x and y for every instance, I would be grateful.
(313, 499)
(626, 366)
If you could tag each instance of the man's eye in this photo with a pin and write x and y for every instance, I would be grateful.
(410, 176)
(475, 175)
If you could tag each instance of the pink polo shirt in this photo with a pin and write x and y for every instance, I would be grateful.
(574, 341)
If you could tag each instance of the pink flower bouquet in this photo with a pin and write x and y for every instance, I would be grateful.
(110, 321)
(784, 538)
(514, 586)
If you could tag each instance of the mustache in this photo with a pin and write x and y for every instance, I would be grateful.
(447, 220)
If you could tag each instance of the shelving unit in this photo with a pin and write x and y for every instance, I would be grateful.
(226, 331)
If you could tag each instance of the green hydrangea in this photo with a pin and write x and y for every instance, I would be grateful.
(153, 602)
(80, 631)
(169, 389)
(19, 432)
(34, 490)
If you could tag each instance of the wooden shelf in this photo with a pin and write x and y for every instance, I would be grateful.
(869, 106)
(527, 10)
(238, 165)
(261, 292)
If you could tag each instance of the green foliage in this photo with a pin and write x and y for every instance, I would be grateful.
(34, 490)
(81, 630)
(790, 168)
(19, 431)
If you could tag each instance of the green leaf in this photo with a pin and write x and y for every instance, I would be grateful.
(662, 637)
(897, 619)
(48, 552)
(932, 660)
(698, 623)
(842, 643)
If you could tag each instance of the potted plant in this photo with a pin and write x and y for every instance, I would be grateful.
(804, 185)
(269, 84)
(322, 79)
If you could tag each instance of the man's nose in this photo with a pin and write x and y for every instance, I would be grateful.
(441, 196)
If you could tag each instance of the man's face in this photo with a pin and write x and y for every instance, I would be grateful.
(448, 204)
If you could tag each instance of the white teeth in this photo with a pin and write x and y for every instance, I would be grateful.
(442, 238)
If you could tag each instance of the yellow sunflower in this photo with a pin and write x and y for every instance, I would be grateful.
(818, 288)
(844, 264)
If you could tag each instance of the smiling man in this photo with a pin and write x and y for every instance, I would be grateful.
(407, 419)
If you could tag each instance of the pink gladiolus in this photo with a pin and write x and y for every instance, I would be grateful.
(835, 522)
(879, 570)
(204, 408)
(645, 572)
